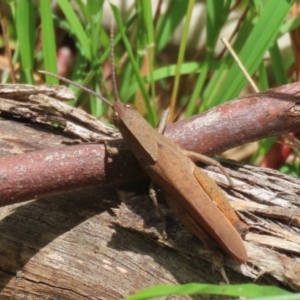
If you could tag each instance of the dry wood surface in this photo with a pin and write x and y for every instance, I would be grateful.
(78, 241)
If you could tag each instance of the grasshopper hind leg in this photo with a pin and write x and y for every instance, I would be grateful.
(112, 151)
(163, 121)
(152, 191)
(194, 156)
(153, 197)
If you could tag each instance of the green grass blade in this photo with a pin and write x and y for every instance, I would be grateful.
(169, 71)
(217, 13)
(263, 77)
(121, 27)
(94, 27)
(26, 37)
(278, 65)
(147, 21)
(169, 21)
(181, 53)
(83, 8)
(290, 25)
(215, 82)
(95, 11)
(256, 45)
(76, 26)
(48, 39)
(238, 290)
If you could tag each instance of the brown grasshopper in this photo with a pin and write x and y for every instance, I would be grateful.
(194, 197)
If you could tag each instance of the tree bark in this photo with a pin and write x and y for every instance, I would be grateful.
(76, 244)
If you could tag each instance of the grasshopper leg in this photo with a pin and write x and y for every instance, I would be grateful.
(152, 194)
(209, 161)
(110, 150)
(163, 121)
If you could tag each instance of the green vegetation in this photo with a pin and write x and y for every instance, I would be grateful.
(249, 291)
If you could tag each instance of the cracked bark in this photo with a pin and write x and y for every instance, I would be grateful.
(66, 244)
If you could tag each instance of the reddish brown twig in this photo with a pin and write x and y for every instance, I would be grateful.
(246, 119)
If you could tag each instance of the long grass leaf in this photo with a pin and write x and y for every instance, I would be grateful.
(169, 21)
(48, 39)
(26, 37)
(76, 26)
(182, 48)
(256, 45)
(151, 115)
(217, 13)
(238, 290)
(278, 65)
(146, 12)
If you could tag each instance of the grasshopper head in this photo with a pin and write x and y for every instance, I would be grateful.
(122, 112)
(119, 111)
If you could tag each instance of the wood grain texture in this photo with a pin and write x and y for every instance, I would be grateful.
(85, 244)
(67, 246)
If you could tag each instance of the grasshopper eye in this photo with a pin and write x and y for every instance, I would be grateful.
(116, 119)
(130, 106)
(116, 116)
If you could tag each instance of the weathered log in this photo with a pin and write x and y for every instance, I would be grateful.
(75, 245)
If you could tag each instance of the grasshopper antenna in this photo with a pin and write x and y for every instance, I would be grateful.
(112, 62)
(97, 95)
